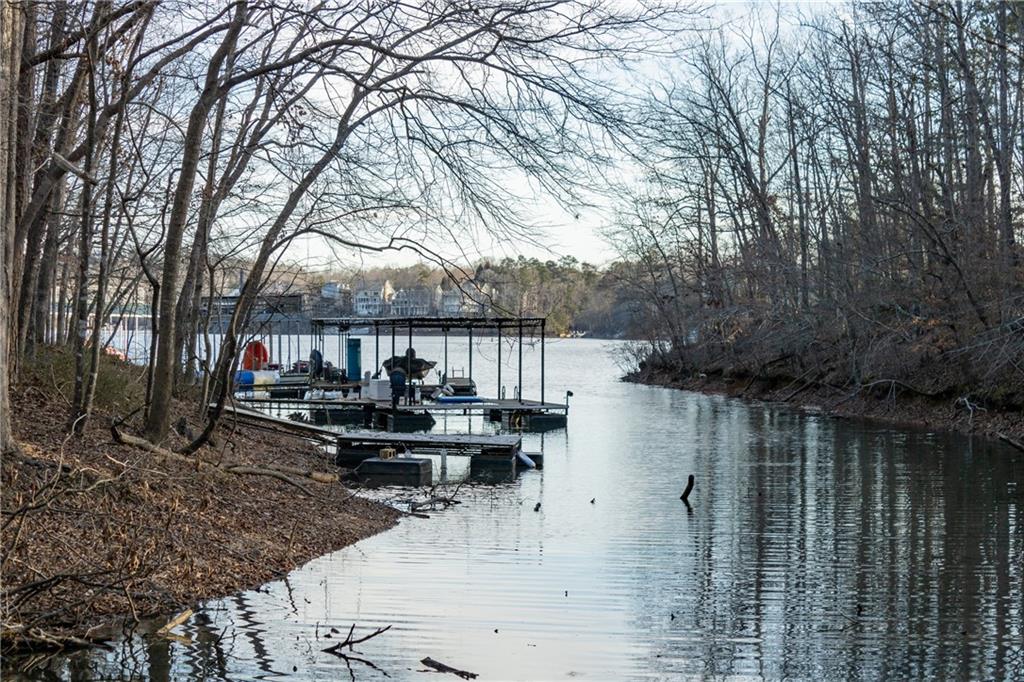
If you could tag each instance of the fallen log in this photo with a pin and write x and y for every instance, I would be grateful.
(257, 471)
(279, 472)
(318, 476)
(20, 639)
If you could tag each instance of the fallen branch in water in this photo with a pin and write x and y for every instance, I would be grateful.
(440, 667)
(339, 650)
(436, 499)
(686, 493)
(19, 638)
(175, 622)
(417, 515)
(893, 384)
(797, 391)
(1010, 441)
(431, 503)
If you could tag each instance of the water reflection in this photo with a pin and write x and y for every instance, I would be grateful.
(816, 549)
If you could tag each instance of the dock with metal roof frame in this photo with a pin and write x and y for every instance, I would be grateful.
(515, 412)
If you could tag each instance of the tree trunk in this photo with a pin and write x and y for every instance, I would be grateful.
(1003, 163)
(188, 302)
(42, 313)
(11, 36)
(49, 108)
(21, 172)
(78, 413)
(226, 357)
(165, 364)
(61, 332)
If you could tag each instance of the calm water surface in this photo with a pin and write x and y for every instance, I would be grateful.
(816, 548)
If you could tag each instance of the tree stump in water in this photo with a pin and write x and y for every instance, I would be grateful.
(686, 493)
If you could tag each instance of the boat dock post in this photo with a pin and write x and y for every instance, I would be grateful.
(542, 343)
(519, 381)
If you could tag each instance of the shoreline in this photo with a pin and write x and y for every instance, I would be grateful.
(100, 536)
(886, 405)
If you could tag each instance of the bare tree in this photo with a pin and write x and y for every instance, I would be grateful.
(11, 32)
(863, 169)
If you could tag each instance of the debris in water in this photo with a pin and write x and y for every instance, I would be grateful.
(440, 667)
(689, 487)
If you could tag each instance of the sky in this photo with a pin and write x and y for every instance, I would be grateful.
(560, 231)
(557, 230)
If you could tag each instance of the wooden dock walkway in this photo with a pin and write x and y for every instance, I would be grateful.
(492, 457)
(455, 443)
(263, 420)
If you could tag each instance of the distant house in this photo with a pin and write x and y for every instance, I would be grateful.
(336, 291)
(457, 302)
(373, 300)
(267, 304)
(452, 303)
(282, 304)
(335, 299)
(135, 316)
(413, 302)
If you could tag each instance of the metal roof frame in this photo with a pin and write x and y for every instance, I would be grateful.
(441, 323)
(521, 325)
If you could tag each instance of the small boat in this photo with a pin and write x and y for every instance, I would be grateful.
(409, 363)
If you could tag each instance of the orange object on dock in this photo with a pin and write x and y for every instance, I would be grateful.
(256, 356)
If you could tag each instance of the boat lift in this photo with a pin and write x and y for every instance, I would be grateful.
(520, 326)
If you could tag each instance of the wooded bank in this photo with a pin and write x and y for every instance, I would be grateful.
(836, 202)
(99, 536)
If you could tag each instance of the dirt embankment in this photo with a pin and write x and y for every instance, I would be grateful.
(886, 401)
(97, 534)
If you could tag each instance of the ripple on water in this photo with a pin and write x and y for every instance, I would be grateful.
(816, 549)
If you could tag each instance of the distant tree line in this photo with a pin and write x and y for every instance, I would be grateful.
(839, 198)
(574, 296)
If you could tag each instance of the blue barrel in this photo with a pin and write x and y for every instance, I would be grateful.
(354, 359)
(244, 378)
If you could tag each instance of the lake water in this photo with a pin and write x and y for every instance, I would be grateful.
(816, 548)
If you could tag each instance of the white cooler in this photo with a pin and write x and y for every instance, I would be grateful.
(378, 389)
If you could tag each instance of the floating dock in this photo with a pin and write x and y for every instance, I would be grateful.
(369, 443)
(529, 415)
(493, 458)
(406, 472)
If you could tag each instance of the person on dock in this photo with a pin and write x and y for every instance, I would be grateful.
(397, 377)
